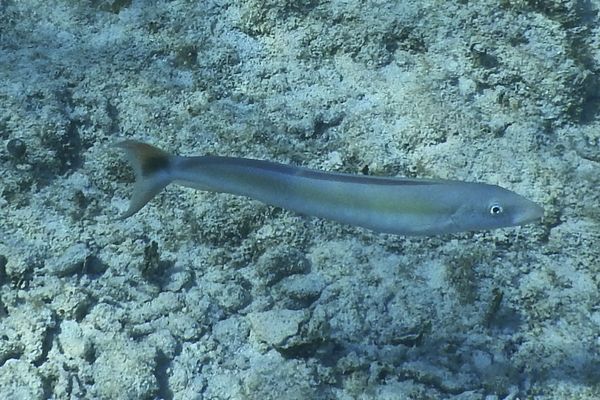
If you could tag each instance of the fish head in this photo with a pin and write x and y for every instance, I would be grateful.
(491, 207)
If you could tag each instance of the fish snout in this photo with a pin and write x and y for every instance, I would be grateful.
(531, 212)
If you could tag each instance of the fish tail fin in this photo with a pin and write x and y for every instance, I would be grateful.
(152, 172)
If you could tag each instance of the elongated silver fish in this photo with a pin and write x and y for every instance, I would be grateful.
(400, 206)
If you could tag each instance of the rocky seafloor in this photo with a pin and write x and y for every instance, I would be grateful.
(212, 296)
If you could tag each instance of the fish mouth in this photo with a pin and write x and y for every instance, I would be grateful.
(532, 212)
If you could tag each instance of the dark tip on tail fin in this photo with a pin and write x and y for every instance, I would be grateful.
(151, 167)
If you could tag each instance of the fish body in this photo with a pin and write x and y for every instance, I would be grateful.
(400, 206)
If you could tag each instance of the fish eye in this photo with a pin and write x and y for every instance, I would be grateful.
(496, 209)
